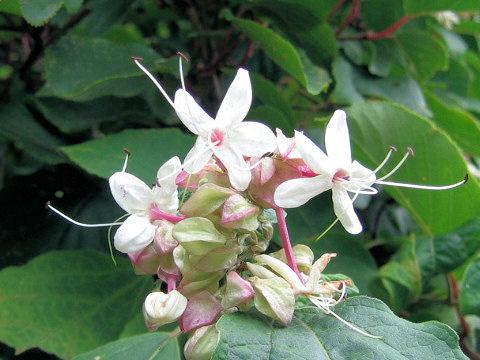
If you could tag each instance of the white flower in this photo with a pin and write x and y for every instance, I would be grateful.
(336, 171)
(227, 136)
(160, 308)
(286, 146)
(137, 199)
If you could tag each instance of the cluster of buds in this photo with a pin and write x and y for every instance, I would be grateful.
(210, 249)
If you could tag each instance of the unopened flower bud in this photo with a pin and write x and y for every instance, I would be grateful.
(198, 235)
(135, 234)
(201, 344)
(303, 256)
(160, 308)
(237, 290)
(206, 200)
(202, 309)
(274, 298)
(238, 213)
(145, 261)
(164, 241)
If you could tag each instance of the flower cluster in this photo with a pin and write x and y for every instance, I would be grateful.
(210, 249)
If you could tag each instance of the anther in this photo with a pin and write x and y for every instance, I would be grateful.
(128, 152)
(183, 56)
(137, 58)
(410, 151)
(47, 205)
(393, 148)
(466, 178)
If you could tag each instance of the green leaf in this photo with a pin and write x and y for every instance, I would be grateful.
(422, 6)
(399, 281)
(71, 116)
(68, 302)
(470, 290)
(86, 68)
(315, 79)
(467, 27)
(18, 124)
(300, 14)
(459, 124)
(154, 346)
(444, 253)
(315, 335)
(149, 148)
(438, 161)
(375, 16)
(426, 54)
(272, 117)
(10, 6)
(38, 12)
(345, 91)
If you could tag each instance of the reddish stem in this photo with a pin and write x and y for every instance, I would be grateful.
(354, 12)
(156, 214)
(282, 225)
(171, 283)
(337, 6)
(456, 298)
(391, 29)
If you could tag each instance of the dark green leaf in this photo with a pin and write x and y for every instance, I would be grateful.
(155, 346)
(470, 290)
(18, 124)
(467, 27)
(345, 91)
(86, 68)
(375, 16)
(38, 12)
(10, 6)
(315, 335)
(282, 52)
(149, 148)
(68, 302)
(376, 126)
(421, 6)
(272, 117)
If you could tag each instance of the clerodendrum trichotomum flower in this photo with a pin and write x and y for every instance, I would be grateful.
(227, 136)
(335, 170)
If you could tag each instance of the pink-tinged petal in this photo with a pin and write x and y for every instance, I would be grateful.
(191, 114)
(237, 290)
(167, 174)
(286, 146)
(264, 171)
(237, 169)
(164, 241)
(167, 270)
(252, 138)
(313, 156)
(337, 140)
(197, 157)
(343, 208)
(239, 213)
(296, 192)
(145, 261)
(202, 309)
(237, 101)
(130, 193)
(134, 234)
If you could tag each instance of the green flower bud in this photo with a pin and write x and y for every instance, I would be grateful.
(206, 200)
(303, 256)
(198, 235)
(238, 213)
(274, 297)
(202, 343)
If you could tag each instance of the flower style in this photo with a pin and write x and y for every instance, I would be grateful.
(336, 170)
(227, 136)
(144, 205)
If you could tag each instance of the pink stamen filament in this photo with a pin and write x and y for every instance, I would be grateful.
(157, 214)
(287, 246)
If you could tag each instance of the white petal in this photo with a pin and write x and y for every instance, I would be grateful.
(191, 114)
(361, 174)
(238, 172)
(252, 138)
(167, 174)
(343, 207)
(337, 140)
(166, 201)
(313, 156)
(237, 101)
(197, 157)
(130, 193)
(134, 234)
(296, 192)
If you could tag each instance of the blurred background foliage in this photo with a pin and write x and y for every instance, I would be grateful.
(406, 71)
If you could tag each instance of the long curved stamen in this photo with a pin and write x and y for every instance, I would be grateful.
(367, 190)
(182, 81)
(425, 187)
(58, 212)
(155, 81)
(394, 170)
(126, 159)
(382, 164)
